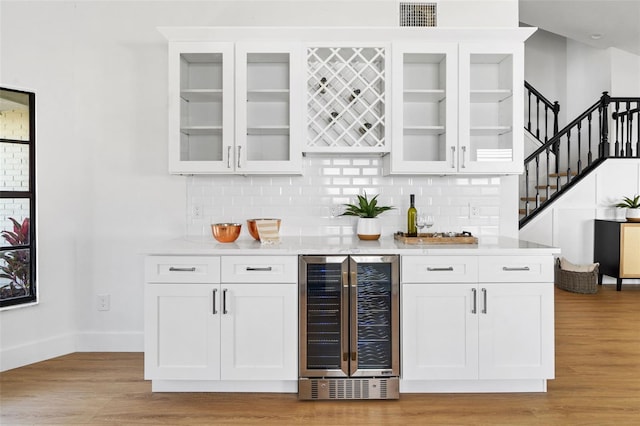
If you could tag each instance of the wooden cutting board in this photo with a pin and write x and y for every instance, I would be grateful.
(436, 239)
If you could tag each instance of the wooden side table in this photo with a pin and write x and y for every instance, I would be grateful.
(617, 249)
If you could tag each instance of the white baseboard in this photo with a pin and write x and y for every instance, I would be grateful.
(41, 350)
(30, 353)
(94, 341)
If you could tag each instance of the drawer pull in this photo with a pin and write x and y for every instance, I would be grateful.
(523, 268)
(174, 269)
(447, 269)
(262, 269)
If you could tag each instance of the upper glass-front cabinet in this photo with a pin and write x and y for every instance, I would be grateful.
(233, 108)
(454, 109)
(347, 99)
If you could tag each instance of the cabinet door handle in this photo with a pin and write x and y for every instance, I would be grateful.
(484, 300)
(453, 157)
(229, 157)
(475, 301)
(448, 269)
(522, 268)
(174, 269)
(215, 290)
(224, 301)
(261, 269)
(464, 152)
(239, 149)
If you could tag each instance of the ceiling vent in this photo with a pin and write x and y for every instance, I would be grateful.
(418, 14)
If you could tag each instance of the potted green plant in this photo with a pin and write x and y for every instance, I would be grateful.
(16, 263)
(633, 207)
(367, 211)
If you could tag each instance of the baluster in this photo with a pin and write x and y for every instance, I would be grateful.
(548, 186)
(529, 109)
(616, 145)
(556, 110)
(537, 181)
(526, 189)
(546, 123)
(589, 156)
(538, 118)
(579, 147)
(604, 123)
(629, 123)
(568, 156)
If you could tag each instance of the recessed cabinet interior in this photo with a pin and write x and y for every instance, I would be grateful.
(346, 99)
(234, 108)
(454, 109)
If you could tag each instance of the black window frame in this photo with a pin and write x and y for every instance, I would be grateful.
(29, 194)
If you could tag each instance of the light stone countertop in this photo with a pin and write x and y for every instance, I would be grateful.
(203, 246)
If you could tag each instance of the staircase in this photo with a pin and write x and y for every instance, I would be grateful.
(567, 155)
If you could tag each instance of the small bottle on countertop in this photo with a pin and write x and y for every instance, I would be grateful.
(412, 230)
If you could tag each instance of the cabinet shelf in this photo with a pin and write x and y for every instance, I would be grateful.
(268, 95)
(424, 130)
(490, 130)
(201, 130)
(268, 130)
(487, 96)
(426, 95)
(201, 95)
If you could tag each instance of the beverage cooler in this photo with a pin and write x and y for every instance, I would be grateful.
(349, 327)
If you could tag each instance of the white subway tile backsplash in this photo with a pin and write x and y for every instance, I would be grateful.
(311, 204)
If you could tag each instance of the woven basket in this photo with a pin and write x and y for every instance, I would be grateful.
(576, 282)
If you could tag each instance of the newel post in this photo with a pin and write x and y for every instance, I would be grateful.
(604, 132)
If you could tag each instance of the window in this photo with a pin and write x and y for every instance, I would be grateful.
(17, 197)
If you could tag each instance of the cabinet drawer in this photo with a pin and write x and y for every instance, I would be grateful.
(259, 269)
(182, 269)
(517, 269)
(439, 269)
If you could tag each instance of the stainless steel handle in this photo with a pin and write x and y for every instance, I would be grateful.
(262, 269)
(224, 301)
(453, 157)
(484, 298)
(174, 269)
(448, 269)
(464, 152)
(474, 310)
(522, 268)
(239, 148)
(215, 290)
(229, 157)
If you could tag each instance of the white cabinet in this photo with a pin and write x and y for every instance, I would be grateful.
(234, 108)
(457, 108)
(199, 329)
(347, 99)
(474, 327)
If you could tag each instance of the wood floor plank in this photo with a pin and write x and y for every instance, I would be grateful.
(597, 383)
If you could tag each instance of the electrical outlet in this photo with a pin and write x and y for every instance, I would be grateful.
(474, 211)
(104, 302)
(196, 212)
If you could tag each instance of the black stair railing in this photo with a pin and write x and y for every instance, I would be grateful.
(539, 125)
(578, 148)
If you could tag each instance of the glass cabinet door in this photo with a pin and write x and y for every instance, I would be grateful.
(425, 108)
(491, 96)
(268, 116)
(200, 107)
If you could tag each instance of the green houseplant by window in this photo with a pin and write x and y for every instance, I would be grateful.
(367, 211)
(633, 207)
(16, 264)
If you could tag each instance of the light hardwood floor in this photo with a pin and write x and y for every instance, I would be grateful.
(597, 383)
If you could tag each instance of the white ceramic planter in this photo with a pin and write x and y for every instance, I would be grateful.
(368, 228)
(633, 215)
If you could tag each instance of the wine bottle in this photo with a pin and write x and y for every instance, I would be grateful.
(333, 116)
(412, 231)
(354, 95)
(323, 85)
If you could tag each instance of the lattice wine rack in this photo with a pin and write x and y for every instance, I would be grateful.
(346, 99)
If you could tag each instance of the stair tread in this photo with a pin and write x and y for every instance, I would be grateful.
(542, 199)
(545, 187)
(561, 174)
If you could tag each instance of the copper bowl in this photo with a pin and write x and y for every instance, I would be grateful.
(253, 228)
(226, 232)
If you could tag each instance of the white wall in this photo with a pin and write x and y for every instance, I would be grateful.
(99, 72)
